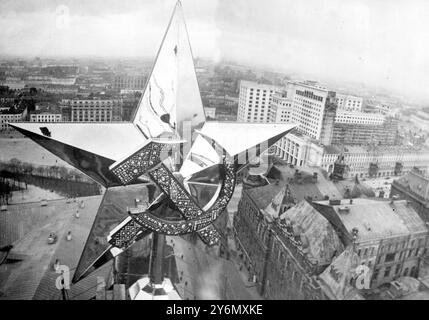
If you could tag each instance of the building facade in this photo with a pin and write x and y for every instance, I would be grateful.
(125, 81)
(280, 108)
(254, 101)
(300, 150)
(364, 134)
(309, 107)
(376, 161)
(413, 187)
(283, 264)
(388, 236)
(6, 117)
(94, 110)
(354, 117)
(349, 102)
(45, 116)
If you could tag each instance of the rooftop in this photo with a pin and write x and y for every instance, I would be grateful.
(335, 149)
(263, 196)
(304, 186)
(375, 219)
(416, 183)
(317, 234)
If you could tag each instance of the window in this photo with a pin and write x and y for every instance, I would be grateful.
(413, 272)
(375, 275)
(398, 267)
(389, 257)
(387, 272)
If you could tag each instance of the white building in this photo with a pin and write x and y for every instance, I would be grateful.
(349, 102)
(359, 159)
(280, 108)
(94, 110)
(45, 116)
(309, 103)
(254, 101)
(7, 117)
(355, 117)
(300, 150)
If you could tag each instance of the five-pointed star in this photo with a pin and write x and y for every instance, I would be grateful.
(171, 105)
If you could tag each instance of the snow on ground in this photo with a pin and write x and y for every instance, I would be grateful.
(33, 194)
(26, 150)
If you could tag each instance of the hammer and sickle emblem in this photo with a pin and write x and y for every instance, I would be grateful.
(148, 160)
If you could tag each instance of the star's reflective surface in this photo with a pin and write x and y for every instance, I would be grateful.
(168, 142)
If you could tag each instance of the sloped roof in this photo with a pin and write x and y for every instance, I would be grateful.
(263, 196)
(335, 280)
(416, 183)
(316, 232)
(376, 218)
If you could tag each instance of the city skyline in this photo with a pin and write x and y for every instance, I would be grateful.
(356, 41)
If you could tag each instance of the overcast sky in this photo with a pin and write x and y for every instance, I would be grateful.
(377, 42)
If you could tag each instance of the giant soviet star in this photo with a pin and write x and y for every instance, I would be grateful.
(168, 142)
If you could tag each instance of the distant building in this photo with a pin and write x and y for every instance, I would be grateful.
(300, 150)
(354, 117)
(364, 134)
(126, 81)
(349, 102)
(311, 103)
(414, 187)
(45, 116)
(94, 110)
(60, 89)
(376, 161)
(11, 116)
(280, 108)
(254, 101)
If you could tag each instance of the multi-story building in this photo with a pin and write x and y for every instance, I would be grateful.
(93, 110)
(309, 107)
(354, 117)
(376, 161)
(363, 134)
(254, 101)
(7, 116)
(45, 116)
(388, 236)
(126, 81)
(413, 187)
(280, 108)
(283, 251)
(298, 149)
(349, 102)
